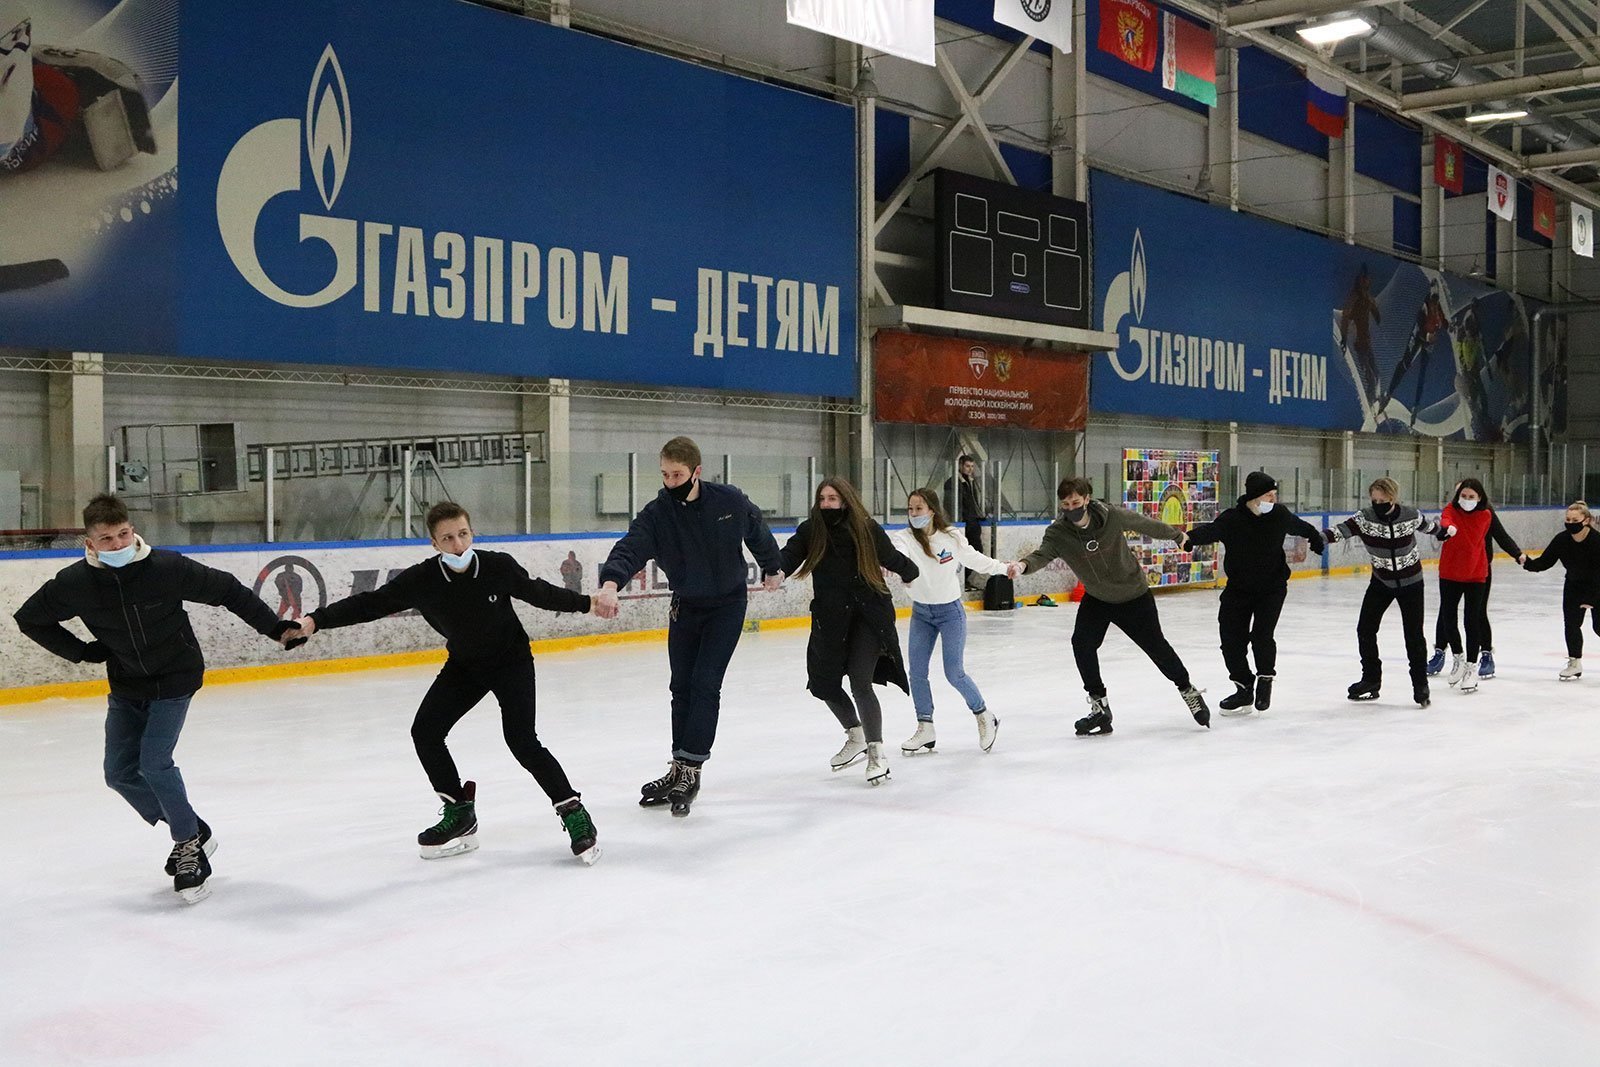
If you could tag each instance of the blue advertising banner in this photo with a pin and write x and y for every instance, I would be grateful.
(1228, 317)
(442, 187)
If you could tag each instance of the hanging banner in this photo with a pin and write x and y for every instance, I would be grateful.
(444, 187)
(1582, 230)
(1544, 210)
(949, 381)
(1502, 193)
(1449, 165)
(901, 28)
(1048, 20)
(1128, 30)
(1339, 338)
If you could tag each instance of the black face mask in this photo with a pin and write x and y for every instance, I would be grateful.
(832, 516)
(1385, 511)
(680, 493)
(1075, 514)
(1575, 528)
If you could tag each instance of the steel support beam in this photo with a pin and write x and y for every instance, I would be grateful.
(1586, 77)
(1267, 13)
(1555, 160)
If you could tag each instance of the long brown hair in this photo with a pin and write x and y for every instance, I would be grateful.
(860, 526)
(930, 499)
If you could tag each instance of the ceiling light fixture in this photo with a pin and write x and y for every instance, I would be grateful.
(1334, 31)
(1496, 116)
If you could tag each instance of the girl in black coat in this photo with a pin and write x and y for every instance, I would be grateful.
(852, 617)
(1577, 548)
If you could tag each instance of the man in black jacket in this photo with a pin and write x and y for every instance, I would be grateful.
(466, 595)
(963, 496)
(1252, 535)
(696, 532)
(130, 597)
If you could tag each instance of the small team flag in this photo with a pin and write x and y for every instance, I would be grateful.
(1502, 194)
(1128, 31)
(1325, 103)
(1189, 61)
(1449, 164)
(1544, 210)
(1582, 231)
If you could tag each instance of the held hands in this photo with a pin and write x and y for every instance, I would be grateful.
(95, 652)
(294, 634)
(773, 581)
(604, 604)
(1522, 560)
(1182, 540)
(1014, 569)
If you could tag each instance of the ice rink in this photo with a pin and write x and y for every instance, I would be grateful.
(1330, 883)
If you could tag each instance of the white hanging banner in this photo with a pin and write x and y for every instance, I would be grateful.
(901, 28)
(1502, 193)
(1048, 20)
(1582, 230)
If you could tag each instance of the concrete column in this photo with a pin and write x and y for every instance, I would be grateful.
(1342, 178)
(1222, 131)
(76, 466)
(552, 479)
(1432, 211)
(1069, 121)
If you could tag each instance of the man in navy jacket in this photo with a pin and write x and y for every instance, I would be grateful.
(696, 532)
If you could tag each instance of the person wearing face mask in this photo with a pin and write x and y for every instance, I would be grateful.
(466, 594)
(853, 631)
(697, 532)
(1577, 548)
(1089, 535)
(937, 614)
(1497, 535)
(1252, 534)
(130, 597)
(1389, 531)
(1464, 579)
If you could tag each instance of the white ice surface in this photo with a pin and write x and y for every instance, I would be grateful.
(1330, 883)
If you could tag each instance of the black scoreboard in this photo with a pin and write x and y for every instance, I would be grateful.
(1010, 252)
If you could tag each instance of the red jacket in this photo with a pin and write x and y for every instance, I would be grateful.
(1465, 557)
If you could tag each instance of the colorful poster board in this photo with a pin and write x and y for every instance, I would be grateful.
(1178, 488)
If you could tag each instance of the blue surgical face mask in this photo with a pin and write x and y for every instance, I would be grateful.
(1263, 507)
(119, 557)
(457, 563)
(921, 522)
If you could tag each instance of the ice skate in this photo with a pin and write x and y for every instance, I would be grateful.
(1469, 680)
(207, 845)
(988, 729)
(685, 789)
(654, 793)
(1240, 701)
(192, 870)
(1419, 693)
(1436, 662)
(1264, 692)
(920, 743)
(1366, 689)
(877, 766)
(575, 818)
(457, 829)
(1458, 669)
(1486, 665)
(1098, 721)
(1573, 670)
(1197, 706)
(855, 747)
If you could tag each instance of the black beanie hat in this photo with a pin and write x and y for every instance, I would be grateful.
(1258, 483)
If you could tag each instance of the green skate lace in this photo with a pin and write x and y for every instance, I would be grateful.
(578, 823)
(452, 815)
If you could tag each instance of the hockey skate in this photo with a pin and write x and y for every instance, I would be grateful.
(1264, 692)
(457, 829)
(920, 743)
(1458, 669)
(685, 789)
(877, 766)
(1486, 665)
(1197, 706)
(988, 729)
(1436, 662)
(192, 870)
(1240, 702)
(580, 828)
(1098, 721)
(654, 793)
(1573, 670)
(1366, 689)
(207, 845)
(855, 746)
(1469, 680)
(1419, 693)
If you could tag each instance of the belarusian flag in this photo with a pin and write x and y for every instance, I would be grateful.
(1189, 61)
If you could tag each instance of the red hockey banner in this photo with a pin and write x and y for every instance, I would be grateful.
(953, 381)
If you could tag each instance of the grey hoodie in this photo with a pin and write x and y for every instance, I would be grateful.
(1098, 553)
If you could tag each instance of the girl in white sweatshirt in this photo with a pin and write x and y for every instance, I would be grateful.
(937, 612)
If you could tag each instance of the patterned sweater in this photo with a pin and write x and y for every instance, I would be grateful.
(1392, 543)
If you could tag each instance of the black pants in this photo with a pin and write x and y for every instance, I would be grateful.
(1488, 628)
(700, 641)
(1246, 620)
(456, 690)
(1574, 598)
(1138, 619)
(1446, 634)
(1373, 607)
(863, 652)
(975, 533)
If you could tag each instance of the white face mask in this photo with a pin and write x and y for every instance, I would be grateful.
(921, 522)
(1466, 505)
(457, 563)
(1263, 507)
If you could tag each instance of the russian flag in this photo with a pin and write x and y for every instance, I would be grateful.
(1325, 103)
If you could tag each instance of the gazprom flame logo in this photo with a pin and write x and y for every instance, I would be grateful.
(1126, 295)
(265, 163)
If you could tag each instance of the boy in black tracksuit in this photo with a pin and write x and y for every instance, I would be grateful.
(131, 597)
(466, 595)
(1252, 535)
(696, 532)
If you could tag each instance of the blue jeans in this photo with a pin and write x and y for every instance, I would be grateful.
(140, 737)
(947, 622)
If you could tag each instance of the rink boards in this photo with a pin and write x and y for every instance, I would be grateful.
(324, 572)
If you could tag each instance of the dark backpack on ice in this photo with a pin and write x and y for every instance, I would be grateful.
(999, 594)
